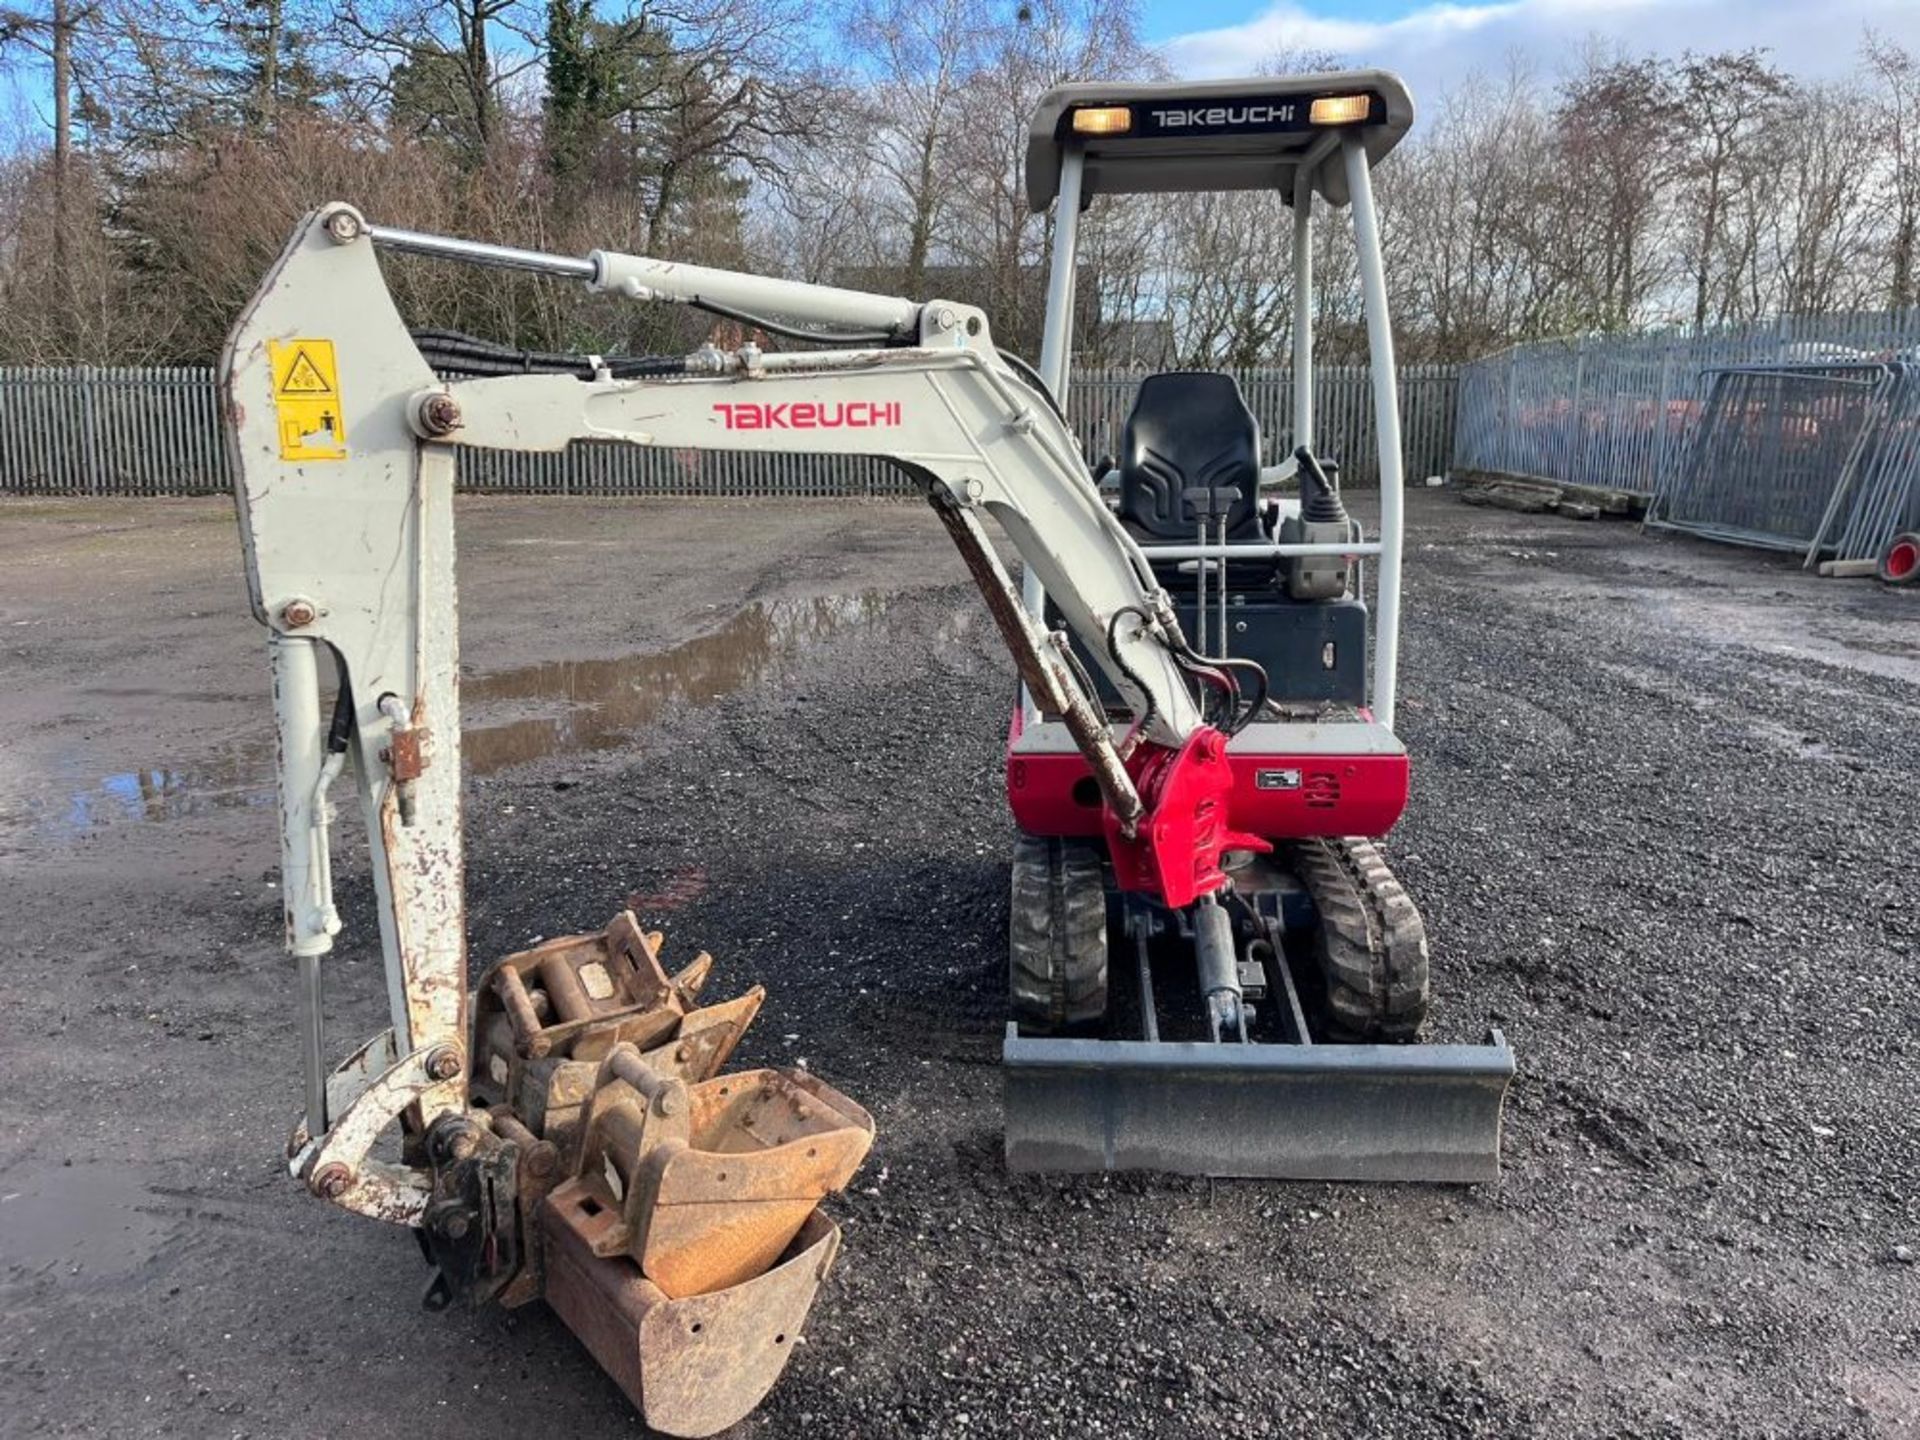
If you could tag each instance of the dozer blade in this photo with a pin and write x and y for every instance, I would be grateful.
(692, 1366)
(1288, 1112)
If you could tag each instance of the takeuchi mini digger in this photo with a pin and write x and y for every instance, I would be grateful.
(1198, 765)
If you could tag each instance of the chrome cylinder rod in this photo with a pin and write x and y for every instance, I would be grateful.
(309, 1014)
(478, 252)
(304, 886)
(1219, 971)
(640, 277)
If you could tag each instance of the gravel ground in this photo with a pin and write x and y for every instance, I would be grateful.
(1662, 830)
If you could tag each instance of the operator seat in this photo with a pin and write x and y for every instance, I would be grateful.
(1192, 430)
(1188, 429)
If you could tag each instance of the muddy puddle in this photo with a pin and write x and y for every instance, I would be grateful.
(556, 707)
(604, 701)
(87, 1221)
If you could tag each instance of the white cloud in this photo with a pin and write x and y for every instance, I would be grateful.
(1435, 45)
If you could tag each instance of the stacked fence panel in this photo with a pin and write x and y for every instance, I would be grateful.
(1621, 411)
(1777, 450)
(85, 430)
(1800, 434)
(1819, 460)
(1883, 496)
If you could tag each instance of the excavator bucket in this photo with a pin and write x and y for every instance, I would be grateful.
(687, 1247)
(691, 1366)
(667, 1212)
(713, 1181)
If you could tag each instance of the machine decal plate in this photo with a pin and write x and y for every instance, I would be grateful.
(810, 415)
(306, 400)
(1276, 779)
(1252, 115)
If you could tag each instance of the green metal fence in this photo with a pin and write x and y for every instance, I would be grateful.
(88, 430)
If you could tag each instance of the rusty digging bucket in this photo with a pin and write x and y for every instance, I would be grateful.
(691, 1366)
(686, 1250)
(545, 1018)
(679, 1234)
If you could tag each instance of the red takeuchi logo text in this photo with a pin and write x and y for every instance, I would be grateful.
(809, 415)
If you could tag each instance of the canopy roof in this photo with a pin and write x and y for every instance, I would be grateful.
(1193, 136)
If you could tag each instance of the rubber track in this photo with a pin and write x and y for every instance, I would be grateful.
(1057, 934)
(1371, 945)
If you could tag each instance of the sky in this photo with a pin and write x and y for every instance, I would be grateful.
(1433, 43)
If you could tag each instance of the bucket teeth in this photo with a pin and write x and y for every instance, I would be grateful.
(673, 1221)
(687, 983)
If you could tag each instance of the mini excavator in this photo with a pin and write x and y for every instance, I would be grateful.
(1204, 811)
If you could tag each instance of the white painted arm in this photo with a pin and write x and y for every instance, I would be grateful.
(344, 475)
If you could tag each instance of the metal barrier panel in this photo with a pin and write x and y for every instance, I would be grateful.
(84, 430)
(1776, 453)
(1884, 498)
(1620, 412)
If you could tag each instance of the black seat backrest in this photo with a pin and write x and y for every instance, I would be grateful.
(1188, 429)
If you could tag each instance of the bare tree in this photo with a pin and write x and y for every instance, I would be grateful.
(1727, 101)
(1822, 248)
(1895, 73)
(1047, 43)
(1617, 124)
(435, 67)
(667, 105)
(1470, 265)
(913, 61)
(184, 136)
(53, 33)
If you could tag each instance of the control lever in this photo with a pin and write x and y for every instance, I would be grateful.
(1320, 501)
(1322, 520)
(1210, 503)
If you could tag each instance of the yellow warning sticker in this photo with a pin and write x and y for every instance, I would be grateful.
(306, 400)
